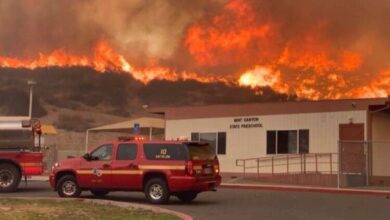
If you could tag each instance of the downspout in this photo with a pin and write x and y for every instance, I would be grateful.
(370, 142)
(150, 133)
(86, 141)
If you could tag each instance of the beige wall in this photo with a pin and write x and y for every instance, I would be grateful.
(251, 142)
(381, 144)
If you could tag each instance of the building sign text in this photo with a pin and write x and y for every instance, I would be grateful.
(248, 122)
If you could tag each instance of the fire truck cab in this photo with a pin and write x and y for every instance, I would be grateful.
(158, 168)
(19, 151)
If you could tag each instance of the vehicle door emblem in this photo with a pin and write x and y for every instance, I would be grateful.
(96, 171)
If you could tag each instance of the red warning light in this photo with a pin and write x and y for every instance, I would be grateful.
(38, 129)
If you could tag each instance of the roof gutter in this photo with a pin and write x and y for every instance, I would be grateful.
(387, 106)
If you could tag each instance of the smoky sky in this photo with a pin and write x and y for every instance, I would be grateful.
(136, 28)
(144, 30)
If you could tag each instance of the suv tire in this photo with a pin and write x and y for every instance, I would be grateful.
(99, 192)
(186, 196)
(156, 191)
(10, 177)
(67, 187)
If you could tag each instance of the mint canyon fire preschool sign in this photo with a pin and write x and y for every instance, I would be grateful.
(247, 122)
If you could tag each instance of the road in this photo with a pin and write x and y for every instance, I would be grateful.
(245, 204)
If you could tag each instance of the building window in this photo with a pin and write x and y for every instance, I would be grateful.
(216, 140)
(288, 142)
(271, 142)
(194, 136)
(303, 141)
(221, 148)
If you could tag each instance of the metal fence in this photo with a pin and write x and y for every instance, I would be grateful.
(67, 144)
(353, 166)
(364, 163)
(290, 164)
(356, 164)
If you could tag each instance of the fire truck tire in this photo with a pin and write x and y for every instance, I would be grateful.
(67, 187)
(186, 197)
(10, 177)
(156, 191)
(99, 192)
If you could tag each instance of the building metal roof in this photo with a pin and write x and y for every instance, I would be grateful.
(13, 122)
(144, 122)
(267, 108)
(14, 118)
(48, 129)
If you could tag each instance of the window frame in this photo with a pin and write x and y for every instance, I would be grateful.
(198, 134)
(298, 147)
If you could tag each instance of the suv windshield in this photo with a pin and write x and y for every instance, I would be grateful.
(201, 152)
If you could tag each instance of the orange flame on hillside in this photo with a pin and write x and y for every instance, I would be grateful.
(104, 58)
(252, 43)
(307, 64)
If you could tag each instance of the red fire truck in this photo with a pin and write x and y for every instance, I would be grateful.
(20, 151)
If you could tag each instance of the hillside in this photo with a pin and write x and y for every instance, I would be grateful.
(63, 95)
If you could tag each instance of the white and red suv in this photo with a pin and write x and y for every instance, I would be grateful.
(158, 168)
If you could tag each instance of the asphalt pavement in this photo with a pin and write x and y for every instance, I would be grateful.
(229, 204)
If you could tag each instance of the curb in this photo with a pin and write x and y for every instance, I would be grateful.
(114, 203)
(307, 189)
(139, 206)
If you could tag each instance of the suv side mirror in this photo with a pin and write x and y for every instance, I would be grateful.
(87, 156)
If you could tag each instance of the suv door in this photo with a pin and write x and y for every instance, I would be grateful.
(96, 173)
(125, 171)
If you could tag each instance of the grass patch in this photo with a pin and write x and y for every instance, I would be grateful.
(18, 209)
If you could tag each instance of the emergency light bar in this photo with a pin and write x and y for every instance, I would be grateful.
(131, 138)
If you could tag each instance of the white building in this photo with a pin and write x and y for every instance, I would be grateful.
(292, 137)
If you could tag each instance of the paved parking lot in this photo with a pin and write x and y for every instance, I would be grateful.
(255, 204)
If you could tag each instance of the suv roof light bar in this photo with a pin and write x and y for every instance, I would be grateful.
(131, 138)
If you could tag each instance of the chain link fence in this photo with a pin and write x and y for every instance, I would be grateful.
(363, 163)
(71, 144)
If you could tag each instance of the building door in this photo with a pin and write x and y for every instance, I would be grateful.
(352, 154)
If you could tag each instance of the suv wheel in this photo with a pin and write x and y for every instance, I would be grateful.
(9, 177)
(186, 196)
(156, 191)
(67, 187)
(99, 192)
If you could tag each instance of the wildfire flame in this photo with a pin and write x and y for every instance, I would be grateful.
(104, 58)
(259, 76)
(307, 64)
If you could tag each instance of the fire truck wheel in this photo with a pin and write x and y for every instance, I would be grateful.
(67, 187)
(156, 191)
(186, 196)
(99, 192)
(10, 177)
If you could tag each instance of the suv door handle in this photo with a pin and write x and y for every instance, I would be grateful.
(132, 165)
(106, 165)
